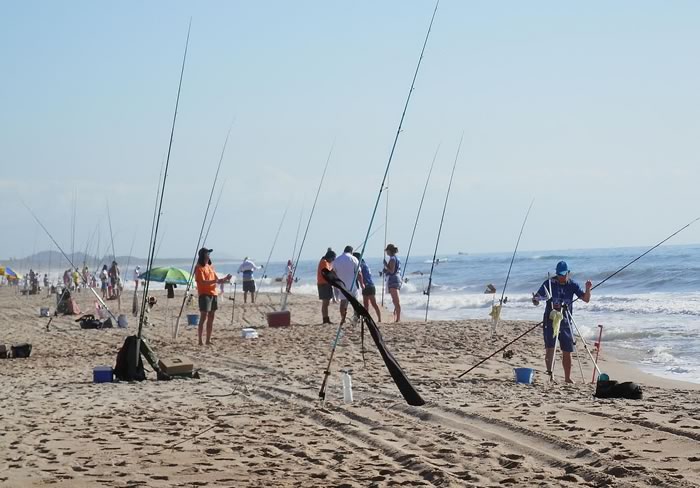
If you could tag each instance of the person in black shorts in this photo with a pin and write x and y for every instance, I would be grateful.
(369, 290)
(325, 290)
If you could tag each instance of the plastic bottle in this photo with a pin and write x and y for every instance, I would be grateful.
(347, 385)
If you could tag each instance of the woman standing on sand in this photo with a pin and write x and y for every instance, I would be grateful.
(206, 279)
(392, 272)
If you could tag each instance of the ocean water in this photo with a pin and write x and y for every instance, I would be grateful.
(650, 312)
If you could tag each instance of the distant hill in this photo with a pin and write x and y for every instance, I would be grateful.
(44, 260)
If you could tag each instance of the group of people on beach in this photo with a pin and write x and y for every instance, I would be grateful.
(353, 271)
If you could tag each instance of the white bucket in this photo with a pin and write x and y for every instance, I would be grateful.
(44, 312)
(122, 322)
(249, 333)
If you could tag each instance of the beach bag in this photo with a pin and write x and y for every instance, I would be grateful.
(89, 321)
(3, 351)
(22, 350)
(613, 389)
(121, 369)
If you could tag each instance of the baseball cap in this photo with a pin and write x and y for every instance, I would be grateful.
(562, 268)
(204, 250)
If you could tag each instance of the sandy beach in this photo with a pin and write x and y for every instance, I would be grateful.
(253, 419)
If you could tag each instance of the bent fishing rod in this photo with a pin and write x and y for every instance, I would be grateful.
(510, 267)
(308, 223)
(154, 235)
(201, 233)
(420, 207)
(593, 288)
(272, 249)
(327, 371)
(442, 219)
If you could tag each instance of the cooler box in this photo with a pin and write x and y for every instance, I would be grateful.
(102, 374)
(279, 319)
(176, 366)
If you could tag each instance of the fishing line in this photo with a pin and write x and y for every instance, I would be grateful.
(201, 232)
(213, 214)
(510, 267)
(420, 207)
(442, 219)
(593, 288)
(272, 249)
(152, 244)
(327, 372)
(386, 226)
(67, 259)
(308, 223)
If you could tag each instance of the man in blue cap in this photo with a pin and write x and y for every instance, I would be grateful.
(559, 293)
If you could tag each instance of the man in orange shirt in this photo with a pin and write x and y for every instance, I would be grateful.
(325, 290)
(206, 279)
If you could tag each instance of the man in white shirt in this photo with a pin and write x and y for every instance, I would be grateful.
(247, 268)
(346, 267)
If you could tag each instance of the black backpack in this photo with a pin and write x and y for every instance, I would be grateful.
(125, 354)
(22, 350)
(613, 389)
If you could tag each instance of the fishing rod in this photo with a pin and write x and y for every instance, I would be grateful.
(442, 219)
(67, 259)
(213, 214)
(497, 311)
(482, 361)
(308, 222)
(327, 371)
(154, 234)
(274, 243)
(72, 224)
(200, 240)
(115, 288)
(386, 226)
(420, 207)
(294, 251)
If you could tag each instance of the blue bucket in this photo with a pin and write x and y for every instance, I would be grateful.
(524, 375)
(192, 319)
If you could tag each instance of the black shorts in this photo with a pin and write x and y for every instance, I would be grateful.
(325, 292)
(249, 286)
(208, 303)
(369, 291)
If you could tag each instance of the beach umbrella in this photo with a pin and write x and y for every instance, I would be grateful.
(173, 275)
(11, 275)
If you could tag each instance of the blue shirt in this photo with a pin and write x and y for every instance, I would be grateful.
(366, 274)
(561, 295)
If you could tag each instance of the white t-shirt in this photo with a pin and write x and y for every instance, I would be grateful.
(345, 266)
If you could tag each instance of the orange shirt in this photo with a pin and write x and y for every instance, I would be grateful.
(323, 264)
(205, 273)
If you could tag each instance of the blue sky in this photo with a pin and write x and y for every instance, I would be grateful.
(591, 109)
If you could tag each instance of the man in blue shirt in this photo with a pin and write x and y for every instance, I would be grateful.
(559, 293)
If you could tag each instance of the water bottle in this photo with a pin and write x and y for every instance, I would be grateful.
(347, 385)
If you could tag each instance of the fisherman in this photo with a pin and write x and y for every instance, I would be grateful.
(247, 268)
(347, 267)
(392, 273)
(137, 272)
(104, 279)
(559, 294)
(325, 290)
(290, 275)
(114, 279)
(369, 291)
(206, 279)
(76, 279)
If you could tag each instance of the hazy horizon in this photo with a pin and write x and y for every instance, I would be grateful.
(590, 109)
